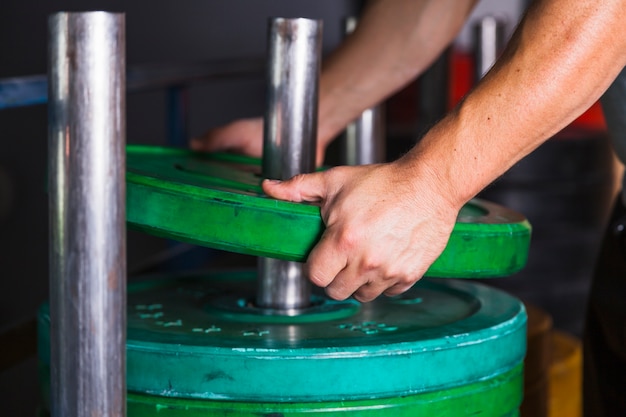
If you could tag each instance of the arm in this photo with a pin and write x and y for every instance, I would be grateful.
(561, 59)
(387, 223)
(394, 42)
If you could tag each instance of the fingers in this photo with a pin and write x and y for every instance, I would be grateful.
(303, 187)
(346, 284)
(330, 266)
(398, 289)
(327, 264)
(366, 286)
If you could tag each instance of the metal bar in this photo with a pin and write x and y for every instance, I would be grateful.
(87, 128)
(23, 91)
(489, 41)
(289, 143)
(290, 134)
(363, 141)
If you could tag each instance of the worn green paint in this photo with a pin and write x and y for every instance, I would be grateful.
(215, 200)
(499, 396)
(494, 397)
(439, 336)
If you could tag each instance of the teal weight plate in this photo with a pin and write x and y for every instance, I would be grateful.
(216, 200)
(200, 337)
(492, 397)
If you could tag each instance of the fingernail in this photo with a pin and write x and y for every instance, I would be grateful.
(273, 181)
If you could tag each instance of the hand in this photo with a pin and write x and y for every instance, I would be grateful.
(244, 136)
(383, 230)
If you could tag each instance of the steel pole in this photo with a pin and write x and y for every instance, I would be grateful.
(290, 137)
(364, 138)
(87, 128)
(489, 41)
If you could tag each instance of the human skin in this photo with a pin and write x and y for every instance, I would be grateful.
(394, 42)
(387, 223)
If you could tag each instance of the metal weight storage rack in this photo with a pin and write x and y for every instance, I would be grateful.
(207, 343)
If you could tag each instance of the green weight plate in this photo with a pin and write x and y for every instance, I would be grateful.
(215, 200)
(493, 397)
(199, 337)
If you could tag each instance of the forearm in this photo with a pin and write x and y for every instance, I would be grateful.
(562, 58)
(394, 42)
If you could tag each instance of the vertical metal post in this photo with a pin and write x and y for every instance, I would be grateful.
(489, 41)
(87, 128)
(290, 138)
(364, 139)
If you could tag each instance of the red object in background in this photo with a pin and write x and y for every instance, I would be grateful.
(461, 76)
(402, 110)
(462, 80)
(592, 119)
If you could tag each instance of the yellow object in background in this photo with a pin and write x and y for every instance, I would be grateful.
(565, 387)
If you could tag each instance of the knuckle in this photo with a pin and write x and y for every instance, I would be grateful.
(366, 294)
(348, 239)
(319, 278)
(328, 173)
(404, 273)
(407, 281)
(401, 286)
(393, 291)
(298, 179)
(375, 262)
(363, 299)
(337, 293)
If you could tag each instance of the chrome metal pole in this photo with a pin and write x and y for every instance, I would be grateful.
(364, 139)
(290, 134)
(289, 144)
(87, 128)
(489, 41)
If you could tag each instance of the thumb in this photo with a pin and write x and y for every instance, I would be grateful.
(302, 187)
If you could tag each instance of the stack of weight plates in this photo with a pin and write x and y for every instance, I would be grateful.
(198, 347)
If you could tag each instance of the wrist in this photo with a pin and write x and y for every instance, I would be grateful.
(442, 164)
